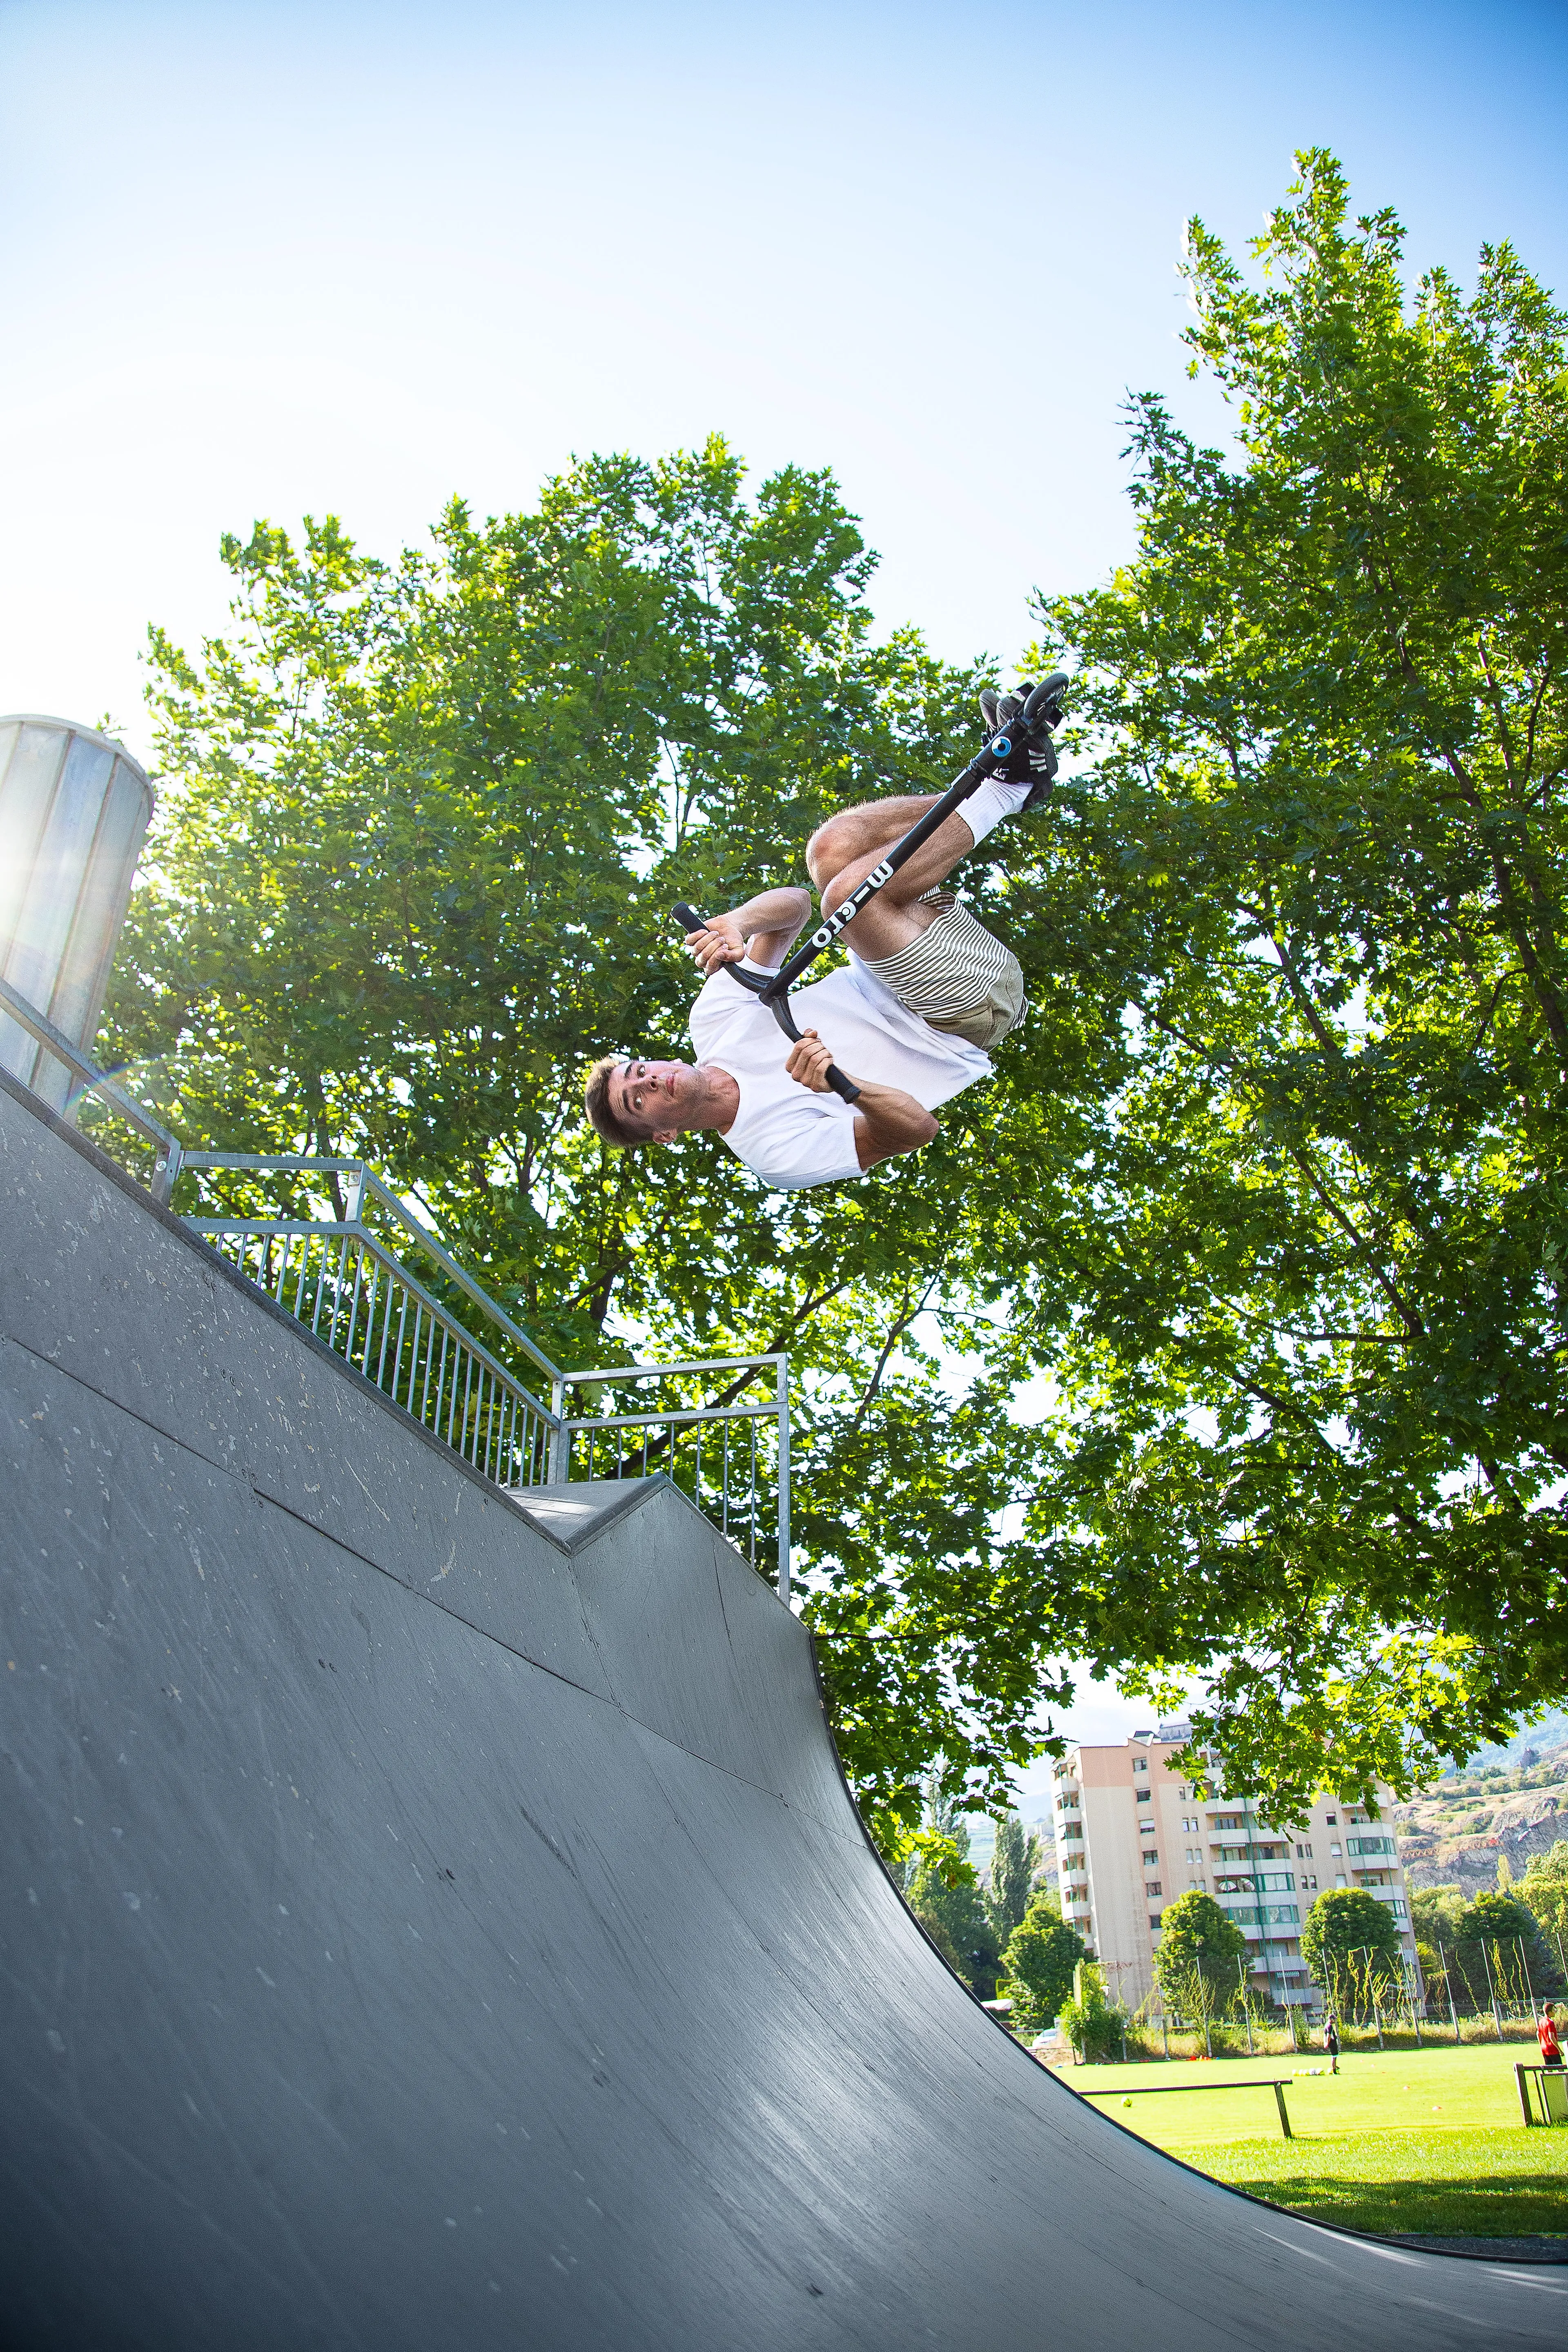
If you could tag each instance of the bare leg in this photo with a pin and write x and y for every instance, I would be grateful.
(841, 854)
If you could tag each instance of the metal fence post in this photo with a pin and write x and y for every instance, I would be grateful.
(1448, 1988)
(166, 1174)
(556, 1467)
(784, 1479)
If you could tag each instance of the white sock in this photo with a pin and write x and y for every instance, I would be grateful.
(985, 808)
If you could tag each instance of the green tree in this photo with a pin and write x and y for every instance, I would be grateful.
(1266, 1198)
(1038, 1960)
(943, 1887)
(421, 825)
(1435, 1915)
(1197, 1938)
(1544, 1887)
(1014, 1861)
(1311, 880)
(1510, 1927)
(1345, 1922)
(1095, 2026)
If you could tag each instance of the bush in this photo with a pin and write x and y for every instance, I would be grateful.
(1095, 2027)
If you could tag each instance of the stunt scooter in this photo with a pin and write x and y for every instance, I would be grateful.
(1041, 711)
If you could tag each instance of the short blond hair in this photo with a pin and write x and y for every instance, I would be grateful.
(605, 1120)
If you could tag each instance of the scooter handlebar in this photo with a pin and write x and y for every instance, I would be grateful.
(1044, 705)
(690, 920)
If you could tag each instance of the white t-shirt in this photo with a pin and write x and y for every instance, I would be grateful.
(791, 1136)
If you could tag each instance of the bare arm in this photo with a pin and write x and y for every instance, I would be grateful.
(887, 1121)
(766, 928)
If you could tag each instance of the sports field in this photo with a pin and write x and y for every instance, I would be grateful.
(1425, 2141)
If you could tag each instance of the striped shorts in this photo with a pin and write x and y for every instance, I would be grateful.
(956, 977)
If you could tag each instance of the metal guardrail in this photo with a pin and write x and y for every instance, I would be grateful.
(731, 1486)
(166, 1150)
(350, 1287)
(352, 1292)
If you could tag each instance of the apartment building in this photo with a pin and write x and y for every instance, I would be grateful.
(1131, 1834)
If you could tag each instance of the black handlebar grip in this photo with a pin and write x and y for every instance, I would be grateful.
(846, 1088)
(687, 916)
(1037, 710)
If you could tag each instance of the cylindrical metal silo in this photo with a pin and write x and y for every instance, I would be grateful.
(74, 811)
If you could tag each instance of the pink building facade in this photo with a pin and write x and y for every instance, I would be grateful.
(1131, 1834)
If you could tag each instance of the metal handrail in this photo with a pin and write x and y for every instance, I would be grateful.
(658, 1424)
(498, 1418)
(367, 1180)
(693, 1412)
(378, 1252)
(42, 1030)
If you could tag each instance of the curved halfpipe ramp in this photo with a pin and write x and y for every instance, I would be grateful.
(426, 1922)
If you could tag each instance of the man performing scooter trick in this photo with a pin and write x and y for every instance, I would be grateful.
(926, 994)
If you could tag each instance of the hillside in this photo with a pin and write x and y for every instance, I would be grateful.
(1455, 1831)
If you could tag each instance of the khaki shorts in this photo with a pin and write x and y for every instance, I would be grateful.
(956, 977)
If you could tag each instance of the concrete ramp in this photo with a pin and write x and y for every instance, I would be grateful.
(429, 1925)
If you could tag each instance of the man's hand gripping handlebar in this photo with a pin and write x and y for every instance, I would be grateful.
(759, 985)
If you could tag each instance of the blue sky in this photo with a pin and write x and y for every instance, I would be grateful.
(263, 259)
(260, 259)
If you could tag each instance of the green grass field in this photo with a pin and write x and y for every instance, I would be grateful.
(1428, 2142)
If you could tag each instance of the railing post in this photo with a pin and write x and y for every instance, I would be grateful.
(166, 1174)
(784, 1479)
(556, 1465)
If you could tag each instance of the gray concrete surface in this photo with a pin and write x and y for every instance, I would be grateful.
(426, 1922)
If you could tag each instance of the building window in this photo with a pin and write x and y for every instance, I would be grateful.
(1333, 1819)
(1304, 1853)
(1154, 1918)
(1149, 1858)
(1334, 1850)
(1154, 1888)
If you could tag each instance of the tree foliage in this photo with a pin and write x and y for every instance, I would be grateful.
(1094, 2025)
(1544, 1887)
(1038, 1960)
(1014, 1861)
(1342, 1920)
(1264, 1200)
(1196, 1940)
(1316, 896)
(943, 1893)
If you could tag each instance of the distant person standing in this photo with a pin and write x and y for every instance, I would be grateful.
(1332, 2040)
(1546, 2035)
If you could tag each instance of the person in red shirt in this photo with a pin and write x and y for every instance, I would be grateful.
(1546, 2035)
